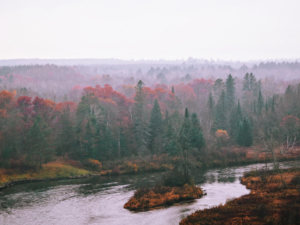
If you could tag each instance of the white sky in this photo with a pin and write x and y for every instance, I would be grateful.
(150, 29)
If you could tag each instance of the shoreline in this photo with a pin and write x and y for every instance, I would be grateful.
(111, 173)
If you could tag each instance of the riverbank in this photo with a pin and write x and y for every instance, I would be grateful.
(49, 171)
(146, 198)
(274, 199)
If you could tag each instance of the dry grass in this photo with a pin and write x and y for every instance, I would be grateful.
(57, 169)
(269, 202)
(162, 196)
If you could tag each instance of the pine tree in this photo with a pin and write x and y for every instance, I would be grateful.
(171, 143)
(260, 102)
(185, 142)
(173, 91)
(273, 104)
(246, 83)
(220, 120)
(140, 124)
(197, 139)
(88, 142)
(210, 102)
(236, 117)
(230, 92)
(252, 82)
(67, 135)
(248, 137)
(245, 137)
(155, 129)
(36, 142)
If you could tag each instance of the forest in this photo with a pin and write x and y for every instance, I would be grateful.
(47, 111)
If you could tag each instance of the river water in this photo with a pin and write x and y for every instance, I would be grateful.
(100, 200)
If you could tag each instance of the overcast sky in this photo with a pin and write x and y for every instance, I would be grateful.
(150, 29)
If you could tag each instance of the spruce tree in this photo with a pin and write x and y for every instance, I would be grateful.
(236, 117)
(37, 146)
(245, 137)
(260, 102)
(197, 139)
(252, 82)
(246, 83)
(210, 102)
(220, 120)
(155, 128)
(171, 143)
(248, 137)
(230, 92)
(185, 142)
(139, 121)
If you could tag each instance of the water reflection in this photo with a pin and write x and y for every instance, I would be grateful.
(100, 200)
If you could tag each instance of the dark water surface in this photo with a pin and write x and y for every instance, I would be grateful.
(100, 200)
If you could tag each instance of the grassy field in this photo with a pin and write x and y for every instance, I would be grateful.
(58, 169)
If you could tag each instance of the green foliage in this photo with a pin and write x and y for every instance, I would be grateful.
(197, 139)
(245, 137)
(155, 129)
(230, 92)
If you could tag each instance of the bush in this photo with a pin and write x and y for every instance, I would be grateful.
(141, 192)
(93, 164)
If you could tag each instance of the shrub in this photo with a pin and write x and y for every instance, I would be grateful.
(93, 164)
(141, 192)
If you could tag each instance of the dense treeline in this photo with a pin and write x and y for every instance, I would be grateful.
(190, 120)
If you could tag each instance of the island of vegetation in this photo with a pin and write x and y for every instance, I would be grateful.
(274, 199)
(146, 198)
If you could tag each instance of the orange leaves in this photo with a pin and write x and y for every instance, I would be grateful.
(6, 98)
(221, 134)
(64, 105)
(184, 91)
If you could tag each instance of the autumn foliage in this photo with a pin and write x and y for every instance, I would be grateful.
(146, 198)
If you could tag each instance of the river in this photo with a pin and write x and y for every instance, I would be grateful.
(100, 200)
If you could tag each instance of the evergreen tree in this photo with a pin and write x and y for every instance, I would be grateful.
(246, 83)
(230, 92)
(140, 125)
(248, 137)
(245, 137)
(173, 91)
(197, 139)
(210, 102)
(236, 117)
(155, 128)
(273, 104)
(171, 143)
(185, 142)
(218, 86)
(260, 102)
(88, 142)
(37, 146)
(220, 121)
(67, 135)
(252, 82)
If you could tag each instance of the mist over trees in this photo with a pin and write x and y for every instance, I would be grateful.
(109, 112)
